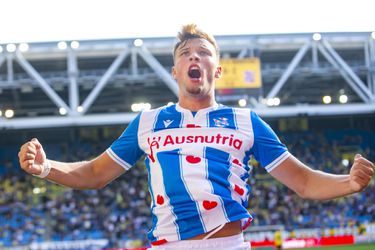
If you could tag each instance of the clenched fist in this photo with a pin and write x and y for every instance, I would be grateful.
(361, 173)
(32, 157)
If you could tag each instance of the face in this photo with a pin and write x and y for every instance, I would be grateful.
(196, 67)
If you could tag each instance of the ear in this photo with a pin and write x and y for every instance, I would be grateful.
(218, 72)
(174, 73)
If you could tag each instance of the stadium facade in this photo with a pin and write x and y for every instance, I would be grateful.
(95, 82)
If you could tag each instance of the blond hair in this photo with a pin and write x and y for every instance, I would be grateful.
(191, 31)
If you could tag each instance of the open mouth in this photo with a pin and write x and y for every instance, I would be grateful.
(194, 72)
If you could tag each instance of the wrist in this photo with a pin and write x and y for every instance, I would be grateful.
(46, 168)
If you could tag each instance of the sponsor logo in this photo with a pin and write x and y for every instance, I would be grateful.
(171, 140)
(167, 123)
(153, 144)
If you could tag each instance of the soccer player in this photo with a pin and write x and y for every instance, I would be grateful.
(197, 158)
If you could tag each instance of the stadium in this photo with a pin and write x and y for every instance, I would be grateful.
(316, 90)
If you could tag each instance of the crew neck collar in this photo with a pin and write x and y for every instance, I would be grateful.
(184, 110)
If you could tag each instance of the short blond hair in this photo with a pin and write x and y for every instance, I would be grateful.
(191, 31)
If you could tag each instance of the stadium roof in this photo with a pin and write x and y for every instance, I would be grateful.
(92, 82)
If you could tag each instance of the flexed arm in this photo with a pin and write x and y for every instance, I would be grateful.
(91, 174)
(318, 185)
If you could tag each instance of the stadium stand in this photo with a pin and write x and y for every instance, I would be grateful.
(33, 210)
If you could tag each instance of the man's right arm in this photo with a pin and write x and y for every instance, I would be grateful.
(93, 174)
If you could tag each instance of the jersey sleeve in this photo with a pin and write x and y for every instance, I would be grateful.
(267, 148)
(125, 150)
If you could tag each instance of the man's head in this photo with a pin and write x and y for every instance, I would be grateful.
(196, 64)
(191, 31)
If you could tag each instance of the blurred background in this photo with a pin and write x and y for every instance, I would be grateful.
(74, 74)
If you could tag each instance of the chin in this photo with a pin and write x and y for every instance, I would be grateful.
(198, 92)
(195, 92)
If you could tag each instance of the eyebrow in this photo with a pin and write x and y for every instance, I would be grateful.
(183, 49)
(203, 46)
(188, 48)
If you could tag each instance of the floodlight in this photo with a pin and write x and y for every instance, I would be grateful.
(74, 45)
(317, 37)
(276, 101)
(327, 99)
(136, 107)
(11, 47)
(269, 102)
(147, 106)
(62, 45)
(343, 98)
(62, 111)
(23, 47)
(138, 42)
(273, 101)
(9, 113)
(242, 102)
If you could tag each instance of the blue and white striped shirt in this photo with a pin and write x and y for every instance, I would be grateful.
(197, 165)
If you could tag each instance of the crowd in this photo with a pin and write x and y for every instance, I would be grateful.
(33, 210)
(273, 203)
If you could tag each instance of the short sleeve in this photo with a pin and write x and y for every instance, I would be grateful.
(267, 148)
(125, 150)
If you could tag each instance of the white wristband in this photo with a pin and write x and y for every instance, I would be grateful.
(46, 168)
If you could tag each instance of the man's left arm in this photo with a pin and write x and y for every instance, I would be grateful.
(318, 185)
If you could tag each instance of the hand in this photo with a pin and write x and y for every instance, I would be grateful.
(32, 157)
(361, 173)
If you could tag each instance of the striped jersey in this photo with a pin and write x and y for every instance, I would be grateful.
(197, 165)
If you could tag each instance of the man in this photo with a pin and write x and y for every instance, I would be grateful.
(197, 153)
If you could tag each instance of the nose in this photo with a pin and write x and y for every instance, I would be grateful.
(194, 57)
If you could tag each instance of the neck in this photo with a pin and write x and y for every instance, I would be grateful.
(196, 103)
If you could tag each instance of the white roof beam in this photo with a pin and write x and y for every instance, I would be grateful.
(343, 73)
(10, 75)
(289, 70)
(2, 59)
(316, 110)
(104, 80)
(134, 62)
(125, 118)
(159, 69)
(73, 85)
(42, 83)
(358, 82)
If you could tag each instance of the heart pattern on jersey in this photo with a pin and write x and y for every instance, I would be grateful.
(239, 190)
(160, 199)
(193, 159)
(237, 162)
(192, 126)
(208, 205)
